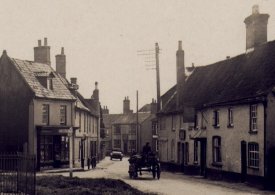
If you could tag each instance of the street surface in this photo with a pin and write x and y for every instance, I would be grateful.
(169, 183)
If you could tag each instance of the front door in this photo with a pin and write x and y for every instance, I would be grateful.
(243, 160)
(203, 157)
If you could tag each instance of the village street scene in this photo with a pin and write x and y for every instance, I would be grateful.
(141, 97)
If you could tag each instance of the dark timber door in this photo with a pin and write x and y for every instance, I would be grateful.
(203, 157)
(243, 160)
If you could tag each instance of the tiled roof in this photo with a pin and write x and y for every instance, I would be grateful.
(110, 119)
(32, 70)
(245, 76)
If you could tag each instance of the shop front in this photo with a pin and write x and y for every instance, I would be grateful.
(52, 147)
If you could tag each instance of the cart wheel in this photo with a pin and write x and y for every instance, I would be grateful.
(158, 171)
(154, 172)
(135, 174)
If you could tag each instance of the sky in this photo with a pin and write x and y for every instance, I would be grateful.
(101, 39)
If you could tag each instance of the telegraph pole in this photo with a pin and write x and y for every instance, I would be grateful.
(149, 55)
(137, 127)
(157, 76)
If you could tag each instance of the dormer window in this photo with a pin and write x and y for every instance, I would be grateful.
(45, 79)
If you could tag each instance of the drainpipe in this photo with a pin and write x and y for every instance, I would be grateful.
(265, 152)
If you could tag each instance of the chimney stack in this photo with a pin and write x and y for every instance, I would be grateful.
(42, 53)
(74, 80)
(180, 71)
(256, 28)
(60, 61)
(105, 110)
(126, 106)
(96, 92)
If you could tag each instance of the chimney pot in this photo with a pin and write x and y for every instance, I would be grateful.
(227, 57)
(96, 84)
(62, 50)
(39, 43)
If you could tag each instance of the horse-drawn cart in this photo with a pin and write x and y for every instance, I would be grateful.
(140, 163)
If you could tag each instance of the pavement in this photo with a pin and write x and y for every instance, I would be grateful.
(169, 183)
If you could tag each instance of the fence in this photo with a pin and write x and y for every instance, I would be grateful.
(17, 174)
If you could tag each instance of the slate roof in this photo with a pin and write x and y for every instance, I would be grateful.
(242, 77)
(32, 70)
(111, 119)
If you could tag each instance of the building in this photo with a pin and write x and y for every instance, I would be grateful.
(40, 109)
(174, 123)
(37, 109)
(233, 105)
(123, 132)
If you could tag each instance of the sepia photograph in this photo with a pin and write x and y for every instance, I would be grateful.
(141, 97)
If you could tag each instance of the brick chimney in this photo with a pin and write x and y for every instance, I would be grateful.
(105, 110)
(126, 106)
(42, 53)
(256, 28)
(180, 71)
(60, 61)
(96, 92)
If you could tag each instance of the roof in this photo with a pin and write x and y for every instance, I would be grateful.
(80, 101)
(242, 77)
(169, 101)
(246, 76)
(111, 119)
(93, 105)
(145, 108)
(31, 71)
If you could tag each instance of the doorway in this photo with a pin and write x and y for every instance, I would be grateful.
(203, 157)
(243, 160)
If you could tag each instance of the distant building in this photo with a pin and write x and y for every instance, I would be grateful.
(123, 132)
